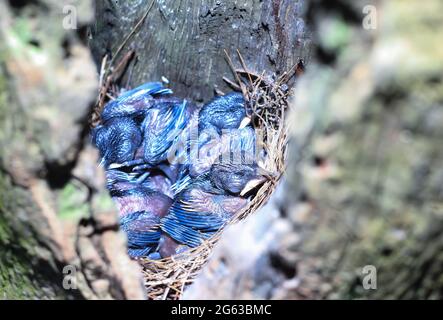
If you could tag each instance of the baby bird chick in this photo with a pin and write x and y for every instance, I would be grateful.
(140, 209)
(223, 112)
(134, 102)
(117, 140)
(205, 206)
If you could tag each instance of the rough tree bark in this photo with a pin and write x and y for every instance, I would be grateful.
(185, 40)
(370, 172)
(54, 208)
(54, 212)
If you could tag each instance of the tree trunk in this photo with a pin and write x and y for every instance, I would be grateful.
(58, 227)
(184, 41)
(371, 172)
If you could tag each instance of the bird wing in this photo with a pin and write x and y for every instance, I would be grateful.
(149, 88)
(183, 181)
(188, 226)
(138, 253)
(134, 101)
(115, 177)
(167, 127)
(142, 232)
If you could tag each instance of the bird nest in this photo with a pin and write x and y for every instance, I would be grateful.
(267, 106)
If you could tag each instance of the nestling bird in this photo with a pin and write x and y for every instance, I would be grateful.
(117, 140)
(166, 206)
(223, 131)
(147, 110)
(223, 112)
(206, 205)
(134, 102)
(235, 146)
(140, 212)
(120, 134)
(161, 125)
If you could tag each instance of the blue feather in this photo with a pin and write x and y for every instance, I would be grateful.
(117, 140)
(141, 230)
(139, 253)
(224, 112)
(135, 101)
(190, 228)
(161, 130)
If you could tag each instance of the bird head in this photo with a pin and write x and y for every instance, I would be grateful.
(224, 112)
(237, 179)
(117, 141)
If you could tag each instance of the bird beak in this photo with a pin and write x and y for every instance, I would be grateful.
(115, 165)
(263, 175)
(252, 184)
(244, 122)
